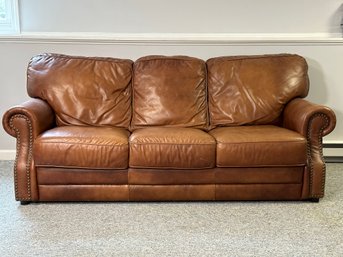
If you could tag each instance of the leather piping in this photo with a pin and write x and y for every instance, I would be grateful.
(29, 158)
(309, 147)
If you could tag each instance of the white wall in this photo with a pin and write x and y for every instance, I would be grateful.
(293, 19)
(182, 16)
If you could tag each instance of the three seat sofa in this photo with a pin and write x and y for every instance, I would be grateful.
(168, 128)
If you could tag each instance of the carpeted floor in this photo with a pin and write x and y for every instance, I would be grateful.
(173, 229)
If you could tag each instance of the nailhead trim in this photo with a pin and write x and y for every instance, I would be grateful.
(325, 117)
(29, 159)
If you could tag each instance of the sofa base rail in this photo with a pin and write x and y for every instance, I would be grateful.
(204, 192)
(23, 203)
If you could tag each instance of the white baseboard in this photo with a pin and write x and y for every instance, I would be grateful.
(337, 152)
(7, 155)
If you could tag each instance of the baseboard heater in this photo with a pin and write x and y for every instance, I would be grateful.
(333, 152)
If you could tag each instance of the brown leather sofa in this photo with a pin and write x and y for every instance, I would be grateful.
(168, 129)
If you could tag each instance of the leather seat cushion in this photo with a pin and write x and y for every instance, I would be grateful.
(263, 145)
(83, 147)
(172, 148)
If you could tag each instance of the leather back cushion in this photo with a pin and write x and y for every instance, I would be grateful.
(169, 92)
(253, 89)
(83, 91)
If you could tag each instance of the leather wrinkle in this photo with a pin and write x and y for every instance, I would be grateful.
(96, 79)
(161, 88)
(247, 109)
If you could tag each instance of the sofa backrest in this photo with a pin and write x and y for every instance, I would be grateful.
(246, 90)
(169, 92)
(83, 91)
(174, 91)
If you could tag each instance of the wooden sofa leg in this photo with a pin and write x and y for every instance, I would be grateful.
(24, 202)
(314, 200)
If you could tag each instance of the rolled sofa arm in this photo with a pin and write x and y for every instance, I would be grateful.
(313, 122)
(26, 122)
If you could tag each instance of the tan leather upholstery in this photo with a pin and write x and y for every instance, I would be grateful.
(83, 91)
(83, 193)
(231, 128)
(299, 116)
(172, 193)
(258, 192)
(81, 176)
(170, 92)
(259, 175)
(232, 175)
(86, 147)
(253, 90)
(313, 122)
(263, 145)
(178, 148)
(165, 176)
(26, 122)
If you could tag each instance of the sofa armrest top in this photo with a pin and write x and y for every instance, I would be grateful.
(38, 114)
(299, 114)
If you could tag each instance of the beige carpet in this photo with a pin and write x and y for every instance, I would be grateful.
(173, 229)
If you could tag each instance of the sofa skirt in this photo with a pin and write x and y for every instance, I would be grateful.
(217, 184)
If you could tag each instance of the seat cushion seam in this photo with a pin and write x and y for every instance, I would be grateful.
(65, 143)
(213, 144)
(263, 142)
